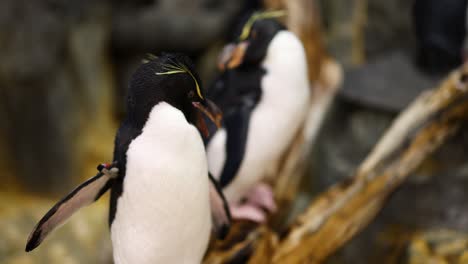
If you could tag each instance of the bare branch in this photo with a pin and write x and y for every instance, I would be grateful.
(345, 209)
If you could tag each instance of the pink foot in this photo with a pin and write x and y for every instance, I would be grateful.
(247, 212)
(261, 195)
(258, 199)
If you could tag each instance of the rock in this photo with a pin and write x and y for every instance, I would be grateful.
(437, 246)
(440, 30)
(170, 25)
(386, 24)
(433, 197)
(56, 86)
(337, 18)
(84, 239)
(390, 82)
(348, 135)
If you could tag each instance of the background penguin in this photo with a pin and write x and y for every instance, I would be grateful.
(161, 189)
(440, 30)
(263, 91)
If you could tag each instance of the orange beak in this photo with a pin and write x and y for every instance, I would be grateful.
(232, 55)
(210, 110)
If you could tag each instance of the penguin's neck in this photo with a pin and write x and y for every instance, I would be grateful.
(285, 82)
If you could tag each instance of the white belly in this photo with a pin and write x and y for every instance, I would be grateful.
(275, 120)
(163, 215)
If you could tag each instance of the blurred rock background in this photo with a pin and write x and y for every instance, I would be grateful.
(376, 41)
(64, 66)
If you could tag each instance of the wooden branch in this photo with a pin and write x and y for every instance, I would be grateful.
(359, 21)
(346, 208)
(244, 237)
(427, 105)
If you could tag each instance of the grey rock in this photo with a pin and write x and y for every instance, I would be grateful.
(390, 83)
(84, 239)
(45, 83)
(433, 197)
(171, 25)
(389, 27)
(347, 137)
(337, 18)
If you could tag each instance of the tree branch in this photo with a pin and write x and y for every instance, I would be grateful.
(349, 206)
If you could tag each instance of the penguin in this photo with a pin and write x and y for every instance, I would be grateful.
(163, 200)
(440, 31)
(263, 92)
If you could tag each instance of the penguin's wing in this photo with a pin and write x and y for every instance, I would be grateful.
(83, 195)
(219, 209)
(237, 126)
(236, 92)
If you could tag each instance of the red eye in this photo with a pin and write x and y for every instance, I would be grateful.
(253, 34)
(191, 94)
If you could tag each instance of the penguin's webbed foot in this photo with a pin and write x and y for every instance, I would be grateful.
(247, 212)
(259, 201)
(262, 196)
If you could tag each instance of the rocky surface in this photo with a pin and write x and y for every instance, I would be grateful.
(372, 95)
(55, 85)
(84, 239)
(438, 246)
(170, 24)
(434, 197)
(390, 82)
(385, 25)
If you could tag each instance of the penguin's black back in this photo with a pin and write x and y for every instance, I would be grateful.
(440, 28)
(126, 133)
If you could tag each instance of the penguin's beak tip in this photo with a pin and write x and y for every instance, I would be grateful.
(232, 55)
(210, 110)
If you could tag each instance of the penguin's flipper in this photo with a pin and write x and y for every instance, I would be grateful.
(83, 195)
(237, 126)
(219, 209)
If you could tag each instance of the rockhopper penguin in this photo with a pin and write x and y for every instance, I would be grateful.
(161, 194)
(263, 91)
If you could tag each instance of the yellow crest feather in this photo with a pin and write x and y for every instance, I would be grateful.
(174, 68)
(258, 16)
(149, 57)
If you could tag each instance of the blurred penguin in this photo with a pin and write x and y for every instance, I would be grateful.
(263, 91)
(440, 28)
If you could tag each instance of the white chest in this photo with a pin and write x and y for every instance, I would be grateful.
(276, 118)
(285, 97)
(163, 215)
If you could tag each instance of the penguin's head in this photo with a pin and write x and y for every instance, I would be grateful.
(169, 78)
(254, 38)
